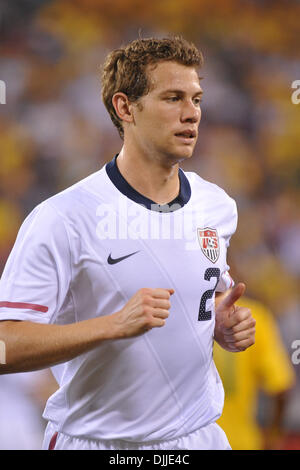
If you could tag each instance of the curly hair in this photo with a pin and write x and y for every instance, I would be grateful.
(124, 69)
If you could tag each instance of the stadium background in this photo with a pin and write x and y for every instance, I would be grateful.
(54, 129)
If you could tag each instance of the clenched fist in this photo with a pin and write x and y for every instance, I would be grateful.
(147, 309)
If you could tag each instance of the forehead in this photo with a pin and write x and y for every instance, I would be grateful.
(171, 75)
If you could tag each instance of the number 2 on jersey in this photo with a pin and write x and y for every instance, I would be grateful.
(208, 294)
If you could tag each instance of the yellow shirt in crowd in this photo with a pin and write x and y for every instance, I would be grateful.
(264, 366)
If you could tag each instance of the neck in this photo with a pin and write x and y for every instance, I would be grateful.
(150, 176)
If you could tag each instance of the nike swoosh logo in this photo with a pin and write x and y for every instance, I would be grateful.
(111, 260)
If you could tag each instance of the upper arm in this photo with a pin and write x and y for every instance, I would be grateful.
(37, 274)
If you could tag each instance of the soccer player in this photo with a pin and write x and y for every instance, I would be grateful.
(112, 282)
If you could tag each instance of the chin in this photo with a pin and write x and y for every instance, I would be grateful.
(185, 154)
(178, 155)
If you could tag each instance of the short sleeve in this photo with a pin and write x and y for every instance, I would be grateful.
(225, 282)
(229, 225)
(37, 275)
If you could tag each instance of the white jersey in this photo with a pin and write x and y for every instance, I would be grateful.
(84, 253)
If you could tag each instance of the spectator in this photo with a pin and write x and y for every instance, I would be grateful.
(266, 366)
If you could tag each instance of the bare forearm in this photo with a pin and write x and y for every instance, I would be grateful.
(31, 346)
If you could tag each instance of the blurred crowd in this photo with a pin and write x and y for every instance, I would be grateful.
(54, 129)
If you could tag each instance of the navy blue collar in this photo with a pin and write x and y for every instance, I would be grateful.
(124, 187)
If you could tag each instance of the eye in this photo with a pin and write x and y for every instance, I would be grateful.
(197, 101)
(173, 99)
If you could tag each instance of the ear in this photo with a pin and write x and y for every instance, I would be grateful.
(122, 106)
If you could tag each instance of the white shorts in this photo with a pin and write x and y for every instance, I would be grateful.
(210, 437)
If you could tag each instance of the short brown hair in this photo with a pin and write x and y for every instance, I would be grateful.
(124, 69)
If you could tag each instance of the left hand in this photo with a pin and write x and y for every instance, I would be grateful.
(235, 326)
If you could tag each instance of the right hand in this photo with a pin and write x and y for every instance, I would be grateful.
(146, 309)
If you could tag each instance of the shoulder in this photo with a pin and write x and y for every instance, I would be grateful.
(213, 201)
(199, 184)
(79, 193)
(71, 204)
(57, 213)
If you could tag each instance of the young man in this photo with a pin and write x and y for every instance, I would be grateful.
(113, 280)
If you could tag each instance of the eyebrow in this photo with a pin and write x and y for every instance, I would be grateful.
(180, 92)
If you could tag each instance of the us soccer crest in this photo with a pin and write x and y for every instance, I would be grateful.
(209, 243)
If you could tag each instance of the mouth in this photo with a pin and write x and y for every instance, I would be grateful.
(187, 137)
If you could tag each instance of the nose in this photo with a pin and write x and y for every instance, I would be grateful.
(190, 112)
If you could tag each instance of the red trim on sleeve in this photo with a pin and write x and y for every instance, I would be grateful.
(53, 441)
(38, 308)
